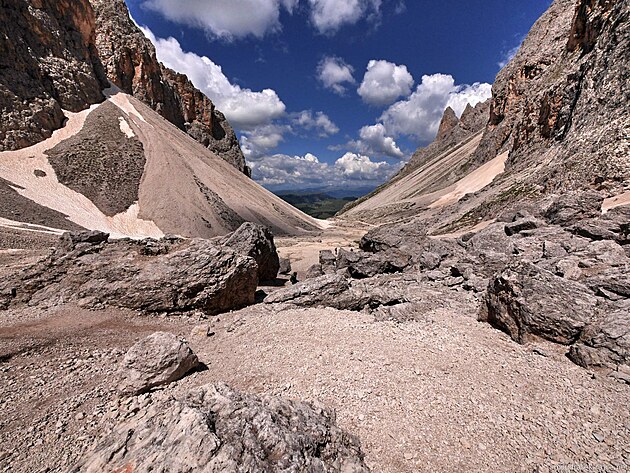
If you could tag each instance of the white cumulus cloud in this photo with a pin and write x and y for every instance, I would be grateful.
(384, 82)
(359, 167)
(329, 15)
(282, 171)
(419, 115)
(335, 74)
(289, 171)
(244, 108)
(318, 121)
(375, 142)
(260, 140)
(226, 19)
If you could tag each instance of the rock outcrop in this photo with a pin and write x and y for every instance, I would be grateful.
(452, 132)
(256, 241)
(556, 272)
(168, 275)
(48, 63)
(215, 428)
(157, 360)
(562, 99)
(447, 124)
(131, 64)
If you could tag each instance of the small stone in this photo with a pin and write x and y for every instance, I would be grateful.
(540, 352)
(598, 436)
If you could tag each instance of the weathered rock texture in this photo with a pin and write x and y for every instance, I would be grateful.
(525, 300)
(562, 100)
(156, 360)
(556, 271)
(131, 64)
(217, 429)
(48, 63)
(256, 241)
(168, 275)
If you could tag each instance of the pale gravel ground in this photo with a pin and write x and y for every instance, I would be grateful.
(445, 393)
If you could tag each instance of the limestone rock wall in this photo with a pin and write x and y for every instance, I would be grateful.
(48, 63)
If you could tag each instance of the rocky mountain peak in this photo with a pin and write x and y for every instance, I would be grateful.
(475, 118)
(60, 55)
(48, 63)
(449, 121)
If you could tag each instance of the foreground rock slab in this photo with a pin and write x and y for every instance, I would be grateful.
(217, 429)
(156, 360)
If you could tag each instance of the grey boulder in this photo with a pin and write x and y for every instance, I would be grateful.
(525, 300)
(156, 360)
(337, 292)
(605, 342)
(256, 241)
(168, 275)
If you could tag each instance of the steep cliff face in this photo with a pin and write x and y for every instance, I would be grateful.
(48, 63)
(563, 98)
(557, 122)
(131, 64)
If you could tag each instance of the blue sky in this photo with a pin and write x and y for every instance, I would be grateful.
(330, 92)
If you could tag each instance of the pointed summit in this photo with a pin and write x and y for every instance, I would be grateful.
(449, 121)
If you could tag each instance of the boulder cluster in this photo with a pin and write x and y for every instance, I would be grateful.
(557, 272)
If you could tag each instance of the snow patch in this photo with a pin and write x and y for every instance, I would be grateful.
(473, 182)
(18, 167)
(29, 227)
(616, 201)
(125, 128)
(121, 100)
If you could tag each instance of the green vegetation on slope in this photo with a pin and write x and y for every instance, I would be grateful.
(317, 205)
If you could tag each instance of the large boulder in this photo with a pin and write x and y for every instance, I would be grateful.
(216, 429)
(361, 264)
(168, 275)
(525, 300)
(330, 290)
(571, 207)
(337, 292)
(605, 342)
(156, 360)
(256, 241)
